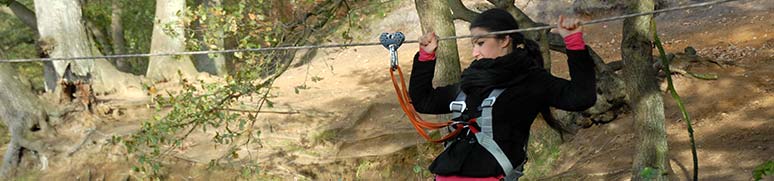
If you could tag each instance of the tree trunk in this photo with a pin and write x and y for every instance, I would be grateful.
(99, 35)
(644, 96)
(20, 110)
(117, 35)
(436, 16)
(28, 18)
(62, 34)
(214, 64)
(167, 38)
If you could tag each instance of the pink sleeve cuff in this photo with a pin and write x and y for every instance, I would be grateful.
(575, 41)
(424, 56)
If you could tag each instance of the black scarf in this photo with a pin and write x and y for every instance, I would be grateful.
(485, 75)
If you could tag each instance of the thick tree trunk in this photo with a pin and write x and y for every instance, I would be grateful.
(214, 64)
(62, 34)
(644, 96)
(117, 35)
(20, 110)
(436, 16)
(167, 38)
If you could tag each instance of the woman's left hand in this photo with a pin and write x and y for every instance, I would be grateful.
(568, 26)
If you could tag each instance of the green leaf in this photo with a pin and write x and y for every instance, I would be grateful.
(764, 169)
(648, 173)
(316, 79)
(417, 169)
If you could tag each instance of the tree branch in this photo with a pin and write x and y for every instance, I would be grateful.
(100, 36)
(556, 43)
(520, 16)
(460, 12)
(24, 14)
(259, 111)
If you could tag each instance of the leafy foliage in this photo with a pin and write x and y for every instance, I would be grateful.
(763, 169)
(137, 20)
(649, 173)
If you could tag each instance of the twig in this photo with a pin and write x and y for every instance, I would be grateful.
(613, 172)
(85, 138)
(186, 159)
(694, 75)
(259, 111)
(671, 87)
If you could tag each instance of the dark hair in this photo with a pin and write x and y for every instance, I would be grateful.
(497, 19)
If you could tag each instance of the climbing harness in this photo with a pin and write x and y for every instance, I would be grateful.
(485, 136)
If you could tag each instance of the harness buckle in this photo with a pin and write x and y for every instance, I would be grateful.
(457, 106)
(488, 102)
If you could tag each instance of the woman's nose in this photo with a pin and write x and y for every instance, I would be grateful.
(476, 53)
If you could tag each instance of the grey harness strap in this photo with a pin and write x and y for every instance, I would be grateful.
(486, 135)
(458, 105)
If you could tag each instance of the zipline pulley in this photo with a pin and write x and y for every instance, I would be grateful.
(392, 42)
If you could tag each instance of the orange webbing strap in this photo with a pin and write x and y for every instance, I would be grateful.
(419, 124)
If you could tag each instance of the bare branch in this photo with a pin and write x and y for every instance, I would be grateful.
(518, 14)
(24, 14)
(259, 111)
(85, 139)
(556, 43)
(459, 11)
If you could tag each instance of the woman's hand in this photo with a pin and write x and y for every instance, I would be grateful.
(428, 42)
(568, 26)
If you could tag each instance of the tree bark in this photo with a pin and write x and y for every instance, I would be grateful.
(644, 96)
(436, 16)
(214, 64)
(62, 34)
(20, 110)
(167, 38)
(117, 35)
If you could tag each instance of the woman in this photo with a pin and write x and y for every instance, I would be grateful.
(512, 65)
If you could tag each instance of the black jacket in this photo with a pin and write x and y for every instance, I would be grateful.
(513, 112)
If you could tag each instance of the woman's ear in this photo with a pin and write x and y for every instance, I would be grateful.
(505, 42)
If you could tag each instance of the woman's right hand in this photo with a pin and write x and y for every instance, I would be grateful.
(428, 42)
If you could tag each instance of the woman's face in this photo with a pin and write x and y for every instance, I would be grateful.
(489, 46)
